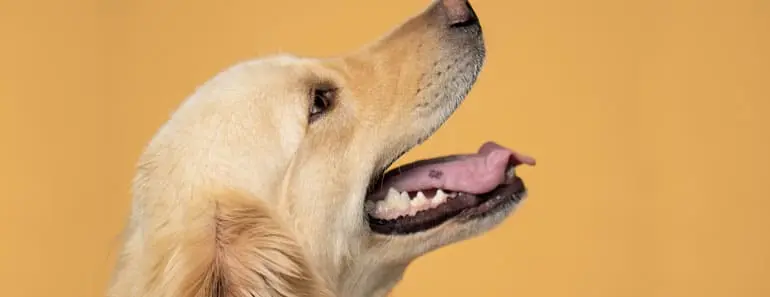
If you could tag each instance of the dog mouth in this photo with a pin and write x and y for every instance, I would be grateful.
(422, 195)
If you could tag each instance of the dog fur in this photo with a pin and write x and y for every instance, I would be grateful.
(240, 195)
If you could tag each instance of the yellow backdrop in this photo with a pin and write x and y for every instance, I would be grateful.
(650, 121)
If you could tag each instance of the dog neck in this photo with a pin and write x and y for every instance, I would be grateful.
(360, 281)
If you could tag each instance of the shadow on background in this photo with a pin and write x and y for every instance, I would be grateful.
(649, 119)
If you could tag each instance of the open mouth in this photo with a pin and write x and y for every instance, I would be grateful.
(424, 194)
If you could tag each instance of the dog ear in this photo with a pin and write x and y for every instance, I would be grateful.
(232, 248)
(255, 256)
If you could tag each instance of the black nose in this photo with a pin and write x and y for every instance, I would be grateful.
(458, 12)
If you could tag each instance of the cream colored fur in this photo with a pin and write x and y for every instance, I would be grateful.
(239, 195)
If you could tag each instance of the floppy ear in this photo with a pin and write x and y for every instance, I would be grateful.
(232, 248)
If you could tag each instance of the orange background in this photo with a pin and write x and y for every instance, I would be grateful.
(649, 120)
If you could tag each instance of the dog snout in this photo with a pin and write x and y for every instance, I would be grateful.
(457, 12)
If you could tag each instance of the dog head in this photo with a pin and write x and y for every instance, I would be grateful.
(313, 137)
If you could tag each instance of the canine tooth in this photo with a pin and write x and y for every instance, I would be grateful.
(441, 193)
(393, 198)
(402, 202)
(392, 193)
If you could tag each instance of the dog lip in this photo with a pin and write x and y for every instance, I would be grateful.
(511, 193)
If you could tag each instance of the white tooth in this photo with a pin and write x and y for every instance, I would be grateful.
(390, 202)
(382, 209)
(393, 198)
(441, 193)
(402, 202)
(419, 201)
(392, 193)
(438, 199)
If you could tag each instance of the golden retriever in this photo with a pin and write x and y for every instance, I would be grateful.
(270, 179)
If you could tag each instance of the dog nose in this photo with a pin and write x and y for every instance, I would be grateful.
(458, 12)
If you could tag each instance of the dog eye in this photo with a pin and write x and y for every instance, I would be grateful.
(322, 100)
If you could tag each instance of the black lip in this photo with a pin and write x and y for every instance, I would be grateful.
(463, 207)
(497, 200)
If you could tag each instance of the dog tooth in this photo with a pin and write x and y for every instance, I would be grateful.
(392, 193)
(392, 199)
(390, 213)
(389, 202)
(441, 193)
(419, 200)
(387, 205)
(402, 202)
(390, 205)
(381, 209)
(438, 199)
(409, 211)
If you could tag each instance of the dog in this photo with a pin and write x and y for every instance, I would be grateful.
(270, 179)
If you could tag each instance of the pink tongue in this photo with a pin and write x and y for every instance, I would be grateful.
(475, 173)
